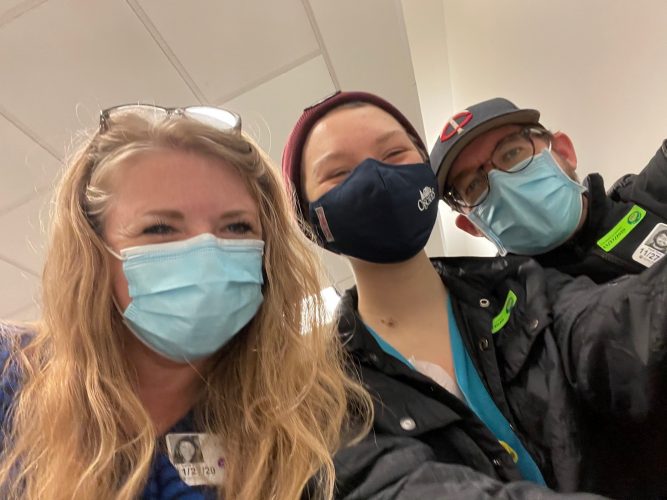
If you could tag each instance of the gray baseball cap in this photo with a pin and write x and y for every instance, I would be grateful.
(465, 126)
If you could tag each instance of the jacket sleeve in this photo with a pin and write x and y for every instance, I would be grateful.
(397, 468)
(648, 187)
(613, 339)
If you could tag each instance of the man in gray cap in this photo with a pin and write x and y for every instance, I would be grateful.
(514, 182)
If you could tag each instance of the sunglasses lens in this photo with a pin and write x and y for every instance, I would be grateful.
(214, 117)
(145, 111)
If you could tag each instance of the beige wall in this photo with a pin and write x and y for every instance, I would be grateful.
(594, 68)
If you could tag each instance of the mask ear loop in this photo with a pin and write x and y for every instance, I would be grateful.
(113, 297)
(113, 252)
(474, 217)
(488, 233)
(579, 185)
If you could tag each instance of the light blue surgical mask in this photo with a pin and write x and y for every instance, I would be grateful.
(530, 211)
(191, 297)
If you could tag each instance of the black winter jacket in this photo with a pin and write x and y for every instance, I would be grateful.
(582, 255)
(574, 356)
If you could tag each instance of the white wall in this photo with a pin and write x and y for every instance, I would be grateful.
(594, 68)
(425, 29)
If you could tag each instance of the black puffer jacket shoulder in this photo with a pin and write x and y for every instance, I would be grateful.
(570, 365)
(619, 223)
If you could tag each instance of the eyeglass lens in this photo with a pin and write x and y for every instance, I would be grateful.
(512, 154)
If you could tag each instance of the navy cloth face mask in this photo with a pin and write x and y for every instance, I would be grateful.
(381, 213)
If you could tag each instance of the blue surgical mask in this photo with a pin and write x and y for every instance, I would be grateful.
(381, 213)
(531, 211)
(191, 297)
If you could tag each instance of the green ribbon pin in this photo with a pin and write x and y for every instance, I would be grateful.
(504, 316)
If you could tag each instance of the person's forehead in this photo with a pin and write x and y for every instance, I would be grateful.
(363, 123)
(479, 150)
(180, 181)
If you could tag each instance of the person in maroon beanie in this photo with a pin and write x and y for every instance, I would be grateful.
(491, 363)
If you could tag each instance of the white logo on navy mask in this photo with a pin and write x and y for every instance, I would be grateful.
(427, 195)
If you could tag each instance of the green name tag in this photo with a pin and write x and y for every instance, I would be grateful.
(622, 228)
(504, 315)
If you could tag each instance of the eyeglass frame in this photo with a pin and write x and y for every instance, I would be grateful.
(449, 192)
(106, 114)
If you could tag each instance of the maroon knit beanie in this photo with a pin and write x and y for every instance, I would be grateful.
(293, 152)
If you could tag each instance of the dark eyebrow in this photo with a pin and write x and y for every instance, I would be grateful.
(334, 155)
(389, 135)
(338, 155)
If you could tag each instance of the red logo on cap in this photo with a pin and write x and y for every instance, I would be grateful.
(455, 125)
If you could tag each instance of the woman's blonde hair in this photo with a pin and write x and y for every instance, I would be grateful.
(278, 396)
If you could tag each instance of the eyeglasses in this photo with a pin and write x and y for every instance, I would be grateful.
(512, 154)
(218, 118)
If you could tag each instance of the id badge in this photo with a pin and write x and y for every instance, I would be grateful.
(197, 458)
(653, 248)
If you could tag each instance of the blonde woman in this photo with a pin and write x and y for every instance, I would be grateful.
(173, 312)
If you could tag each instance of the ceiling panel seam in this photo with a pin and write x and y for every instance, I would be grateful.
(18, 10)
(320, 41)
(18, 266)
(269, 76)
(166, 50)
(29, 133)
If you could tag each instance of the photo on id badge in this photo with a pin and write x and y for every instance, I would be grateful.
(654, 246)
(196, 457)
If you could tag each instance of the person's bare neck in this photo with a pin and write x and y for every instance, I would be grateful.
(393, 293)
(167, 389)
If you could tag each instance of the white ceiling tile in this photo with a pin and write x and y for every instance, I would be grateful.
(17, 289)
(228, 45)
(7, 5)
(368, 47)
(271, 110)
(10, 9)
(25, 168)
(65, 60)
(26, 226)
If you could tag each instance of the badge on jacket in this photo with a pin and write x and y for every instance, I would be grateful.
(197, 458)
(654, 246)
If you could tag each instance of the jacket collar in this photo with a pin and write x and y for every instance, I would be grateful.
(470, 281)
